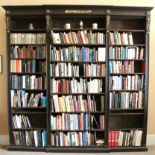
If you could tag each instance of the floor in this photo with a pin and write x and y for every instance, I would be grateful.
(3, 151)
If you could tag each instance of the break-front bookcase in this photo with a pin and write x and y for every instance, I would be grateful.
(77, 77)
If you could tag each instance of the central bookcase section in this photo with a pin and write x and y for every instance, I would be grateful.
(77, 81)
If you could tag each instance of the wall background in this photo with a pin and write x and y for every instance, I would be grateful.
(3, 77)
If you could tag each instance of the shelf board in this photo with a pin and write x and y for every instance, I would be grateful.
(29, 112)
(72, 77)
(31, 90)
(77, 93)
(27, 129)
(28, 109)
(125, 109)
(80, 45)
(77, 29)
(124, 129)
(35, 45)
(126, 74)
(77, 62)
(128, 149)
(135, 90)
(83, 130)
(25, 148)
(128, 30)
(41, 59)
(127, 59)
(77, 149)
(27, 30)
(126, 113)
(95, 112)
(121, 45)
(26, 73)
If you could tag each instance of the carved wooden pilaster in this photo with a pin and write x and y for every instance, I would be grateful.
(148, 19)
(108, 12)
(8, 25)
(48, 19)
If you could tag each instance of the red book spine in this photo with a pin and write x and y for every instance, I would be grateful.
(143, 67)
(109, 139)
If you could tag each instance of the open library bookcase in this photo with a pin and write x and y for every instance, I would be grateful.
(77, 77)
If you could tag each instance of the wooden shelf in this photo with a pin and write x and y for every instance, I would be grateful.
(127, 90)
(29, 112)
(126, 59)
(77, 77)
(26, 73)
(77, 62)
(121, 45)
(124, 129)
(126, 113)
(31, 90)
(129, 30)
(35, 45)
(77, 29)
(27, 31)
(93, 112)
(79, 45)
(91, 130)
(125, 109)
(28, 129)
(126, 74)
(77, 93)
(39, 59)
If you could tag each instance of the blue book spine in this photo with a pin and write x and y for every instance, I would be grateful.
(44, 138)
(84, 54)
(43, 101)
(110, 66)
(90, 55)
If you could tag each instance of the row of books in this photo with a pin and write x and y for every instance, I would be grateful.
(124, 38)
(125, 138)
(80, 37)
(126, 52)
(78, 103)
(27, 38)
(81, 121)
(94, 69)
(72, 139)
(121, 66)
(21, 121)
(64, 69)
(28, 51)
(127, 100)
(75, 86)
(30, 138)
(22, 98)
(72, 70)
(27, 82)
(74, 53)
(128, 82)
(27, 66)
